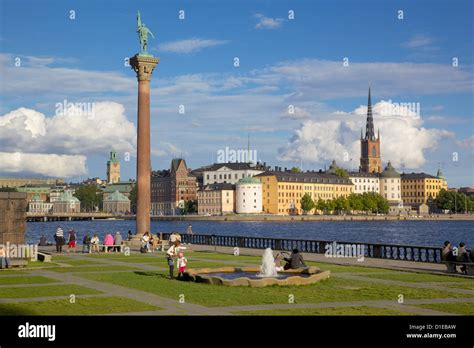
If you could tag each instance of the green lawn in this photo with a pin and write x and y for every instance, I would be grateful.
(72, 262)
(26, 280)
(418, 277)
(456, 308)
(98, 268)
(466, 285)
(82, 306)
(44, 291)
(356, 310)
(340, 268)
(333, 289)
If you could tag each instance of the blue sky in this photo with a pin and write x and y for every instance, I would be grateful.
(283, 62)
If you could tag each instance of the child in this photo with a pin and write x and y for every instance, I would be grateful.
(182, 261)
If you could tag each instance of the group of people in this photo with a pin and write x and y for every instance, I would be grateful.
(149, 242)
(89, 244)
(453, 254)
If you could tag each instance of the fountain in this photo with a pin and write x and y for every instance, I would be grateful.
(261, 276)
(268, 269)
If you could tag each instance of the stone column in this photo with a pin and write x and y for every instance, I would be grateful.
(143, 66)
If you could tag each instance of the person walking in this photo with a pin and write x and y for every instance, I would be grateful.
(71, 240)
(59, 239)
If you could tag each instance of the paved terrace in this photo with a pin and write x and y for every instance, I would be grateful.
(115, 284)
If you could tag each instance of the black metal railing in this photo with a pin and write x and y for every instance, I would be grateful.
(372, 250)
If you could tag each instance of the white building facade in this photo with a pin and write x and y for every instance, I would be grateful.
(248, 196)
(365, 182)
(390, 185)
(229, 173)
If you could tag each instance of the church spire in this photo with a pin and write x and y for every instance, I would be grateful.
(369, 127)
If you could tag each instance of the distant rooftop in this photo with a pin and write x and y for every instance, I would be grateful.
(309, 177)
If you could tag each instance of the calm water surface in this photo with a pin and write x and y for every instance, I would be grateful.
(425, 233)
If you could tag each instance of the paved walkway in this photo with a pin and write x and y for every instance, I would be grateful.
(171, 306)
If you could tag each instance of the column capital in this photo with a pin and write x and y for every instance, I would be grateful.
(143, 66)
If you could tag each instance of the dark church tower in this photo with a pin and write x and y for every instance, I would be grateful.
(370, 145)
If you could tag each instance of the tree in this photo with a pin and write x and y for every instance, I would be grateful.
(8, 189)
(341, 204)
(452, 200)
(341, 172)
(356, 202)
(190, 207)
(321, 205)
(90, 197)
(307, 203)
(295, 170)
(133, 199)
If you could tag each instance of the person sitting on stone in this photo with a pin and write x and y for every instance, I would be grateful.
(43, 241)
(117, 241)
(277, 260)
(447, 252)
(463, 256)
(86, 243)
(95, 243)
(295, 260)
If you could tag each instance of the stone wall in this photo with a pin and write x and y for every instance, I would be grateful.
(12, 217)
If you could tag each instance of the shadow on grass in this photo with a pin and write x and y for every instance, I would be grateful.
(151, 274)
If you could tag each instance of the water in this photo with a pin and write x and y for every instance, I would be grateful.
(423, 233)
(268, 269)
(252, 275)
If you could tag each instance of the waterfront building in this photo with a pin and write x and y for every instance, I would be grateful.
(282, 191)
(365, 182)
(419, 188)
(171, 189)
(6, 181)
(67, 203)
(370, 161)
(38, 205)
(216, 199)
(40, 190)
(117, 203)
(229, 173)
(248, 196)
(390, 185)
(466, 190)
(124, 188)
(113, 168)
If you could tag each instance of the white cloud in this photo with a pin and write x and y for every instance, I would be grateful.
(467, 143)
(417, 41)
(51, 165)
(189, 45)
(267, 22)
(167, 149)
(403, 139)
(39, 139)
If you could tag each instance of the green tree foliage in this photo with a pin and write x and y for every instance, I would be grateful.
(190, 207)
(8, 189)
(90, 197)
(307, 203)
(133, 199)
(450, 200)
(295, 170)
(368, 202)
(341, 172)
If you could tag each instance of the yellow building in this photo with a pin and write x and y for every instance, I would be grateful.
(216, 199)
(282, 191)
(17, 182)
(419, 188)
